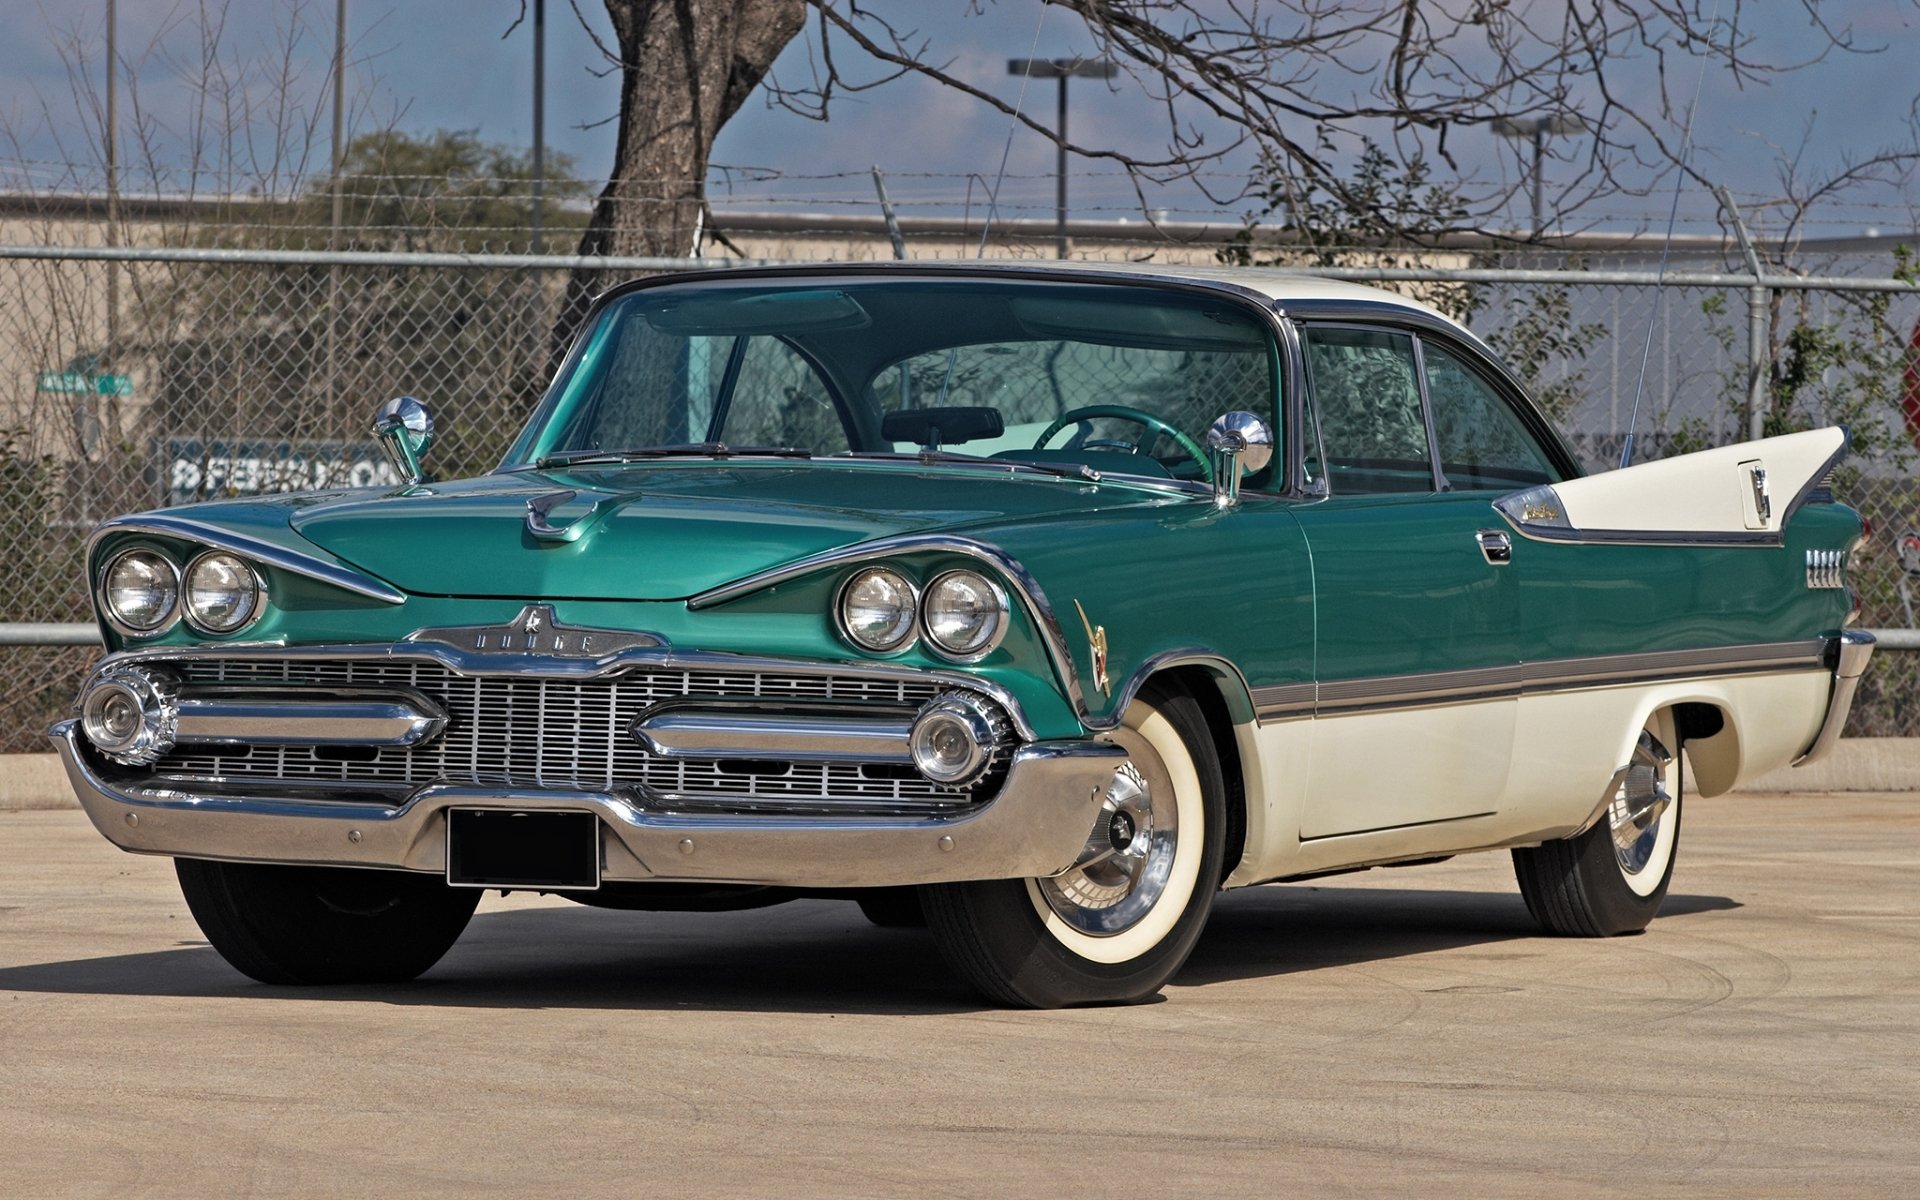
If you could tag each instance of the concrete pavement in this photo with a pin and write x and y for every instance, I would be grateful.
(1388, 1033)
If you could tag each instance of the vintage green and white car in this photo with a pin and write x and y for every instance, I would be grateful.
(1036, 603)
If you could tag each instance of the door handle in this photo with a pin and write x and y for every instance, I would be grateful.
(1496, 546)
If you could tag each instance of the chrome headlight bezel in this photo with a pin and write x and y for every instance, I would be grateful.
(154, 700)
(103, 594)
(978, 649)
(911, 609)
(257, 605)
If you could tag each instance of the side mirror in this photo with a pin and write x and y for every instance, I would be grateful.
(405, 429)
(1239, 441)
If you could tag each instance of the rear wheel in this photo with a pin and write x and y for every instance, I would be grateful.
(1114, 928)
(316, 925)
(1612, 878)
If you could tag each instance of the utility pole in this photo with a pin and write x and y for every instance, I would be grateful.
(1062, 69)
(1538, 129)
(333, 231)
(113, 180)
(539, 119)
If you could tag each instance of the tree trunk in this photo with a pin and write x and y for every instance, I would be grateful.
(686, 67)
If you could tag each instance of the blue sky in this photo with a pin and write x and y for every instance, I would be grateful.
(445, 64)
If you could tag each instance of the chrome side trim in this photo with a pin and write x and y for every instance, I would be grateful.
(293, 717)
(1033, 597)
(1851, 651)
(707, 733)
(166, 525)
(467, 662)
(1284, 702)
(1037, 826)
(1344, 697)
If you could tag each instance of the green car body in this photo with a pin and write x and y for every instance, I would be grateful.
(1389, 657)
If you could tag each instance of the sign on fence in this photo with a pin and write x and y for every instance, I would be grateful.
(209, 470)
(83, 382)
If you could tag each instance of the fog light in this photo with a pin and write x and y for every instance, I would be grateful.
(130, 715)
(953, 739)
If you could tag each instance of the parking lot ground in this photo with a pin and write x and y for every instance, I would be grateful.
(1396, 1032)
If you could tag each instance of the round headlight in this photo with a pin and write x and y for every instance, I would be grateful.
(965, 614)
(877, 609)
(139, 591)
(223, 593)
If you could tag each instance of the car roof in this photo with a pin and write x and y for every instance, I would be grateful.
(1281, 285)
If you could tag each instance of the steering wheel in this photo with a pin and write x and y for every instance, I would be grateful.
(1124, 412)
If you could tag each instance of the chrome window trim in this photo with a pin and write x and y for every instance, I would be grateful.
(207, 534)
(482, 664)
(1435, 476)
(1471, 350)
(1269, 312)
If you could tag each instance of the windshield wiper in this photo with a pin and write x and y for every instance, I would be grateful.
(1010, 465)
(575, 458)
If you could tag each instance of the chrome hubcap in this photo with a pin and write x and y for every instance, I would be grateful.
(1123, 870)
(1639, 804)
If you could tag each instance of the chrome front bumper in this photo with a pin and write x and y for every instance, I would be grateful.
(1037, 826)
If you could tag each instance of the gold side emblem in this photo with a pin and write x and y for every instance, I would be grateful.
(1539, 512)
(1097, 642)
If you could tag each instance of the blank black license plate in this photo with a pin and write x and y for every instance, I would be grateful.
(505, 848)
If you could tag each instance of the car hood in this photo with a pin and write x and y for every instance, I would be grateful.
(666, 531)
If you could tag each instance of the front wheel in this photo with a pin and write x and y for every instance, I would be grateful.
(1611, 879)
(1116, 926)
(316, 925)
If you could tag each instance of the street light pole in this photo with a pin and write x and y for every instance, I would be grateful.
(539, 119)
(1062, 69)
(1537, 130)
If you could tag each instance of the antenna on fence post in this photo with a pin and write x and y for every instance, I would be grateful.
(1759, 299)
(886, 210)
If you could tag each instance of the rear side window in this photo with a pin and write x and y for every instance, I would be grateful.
(1483, 443)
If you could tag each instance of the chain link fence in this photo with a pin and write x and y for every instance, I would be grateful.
(140, 378)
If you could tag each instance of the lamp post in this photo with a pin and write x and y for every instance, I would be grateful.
(539, 121)
(1537, 129)
(1062, 69)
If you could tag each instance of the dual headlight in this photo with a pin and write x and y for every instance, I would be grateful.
(143, 593)
(962, 614)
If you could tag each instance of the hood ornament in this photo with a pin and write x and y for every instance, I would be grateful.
(540, 515)
(1097, 644)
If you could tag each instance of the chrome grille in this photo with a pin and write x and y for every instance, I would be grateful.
(533, 732)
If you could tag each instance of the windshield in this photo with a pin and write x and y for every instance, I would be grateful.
(1117, 378)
